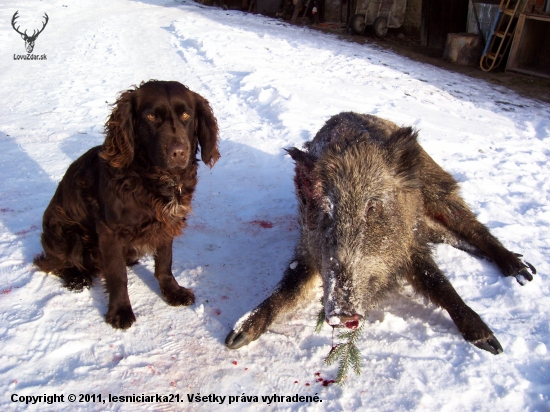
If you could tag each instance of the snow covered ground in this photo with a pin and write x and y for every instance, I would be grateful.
(271, 86)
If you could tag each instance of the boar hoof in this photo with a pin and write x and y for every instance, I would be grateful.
(490, 345)
(235, 340)
(524, 276)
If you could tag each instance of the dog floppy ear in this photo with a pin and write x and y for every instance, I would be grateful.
(118, 148)
(206, 130)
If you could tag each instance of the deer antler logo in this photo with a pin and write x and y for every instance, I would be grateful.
(29, 40)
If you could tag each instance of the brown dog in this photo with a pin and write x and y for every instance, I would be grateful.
(131, 195)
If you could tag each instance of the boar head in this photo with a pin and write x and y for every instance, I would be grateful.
(360, 206)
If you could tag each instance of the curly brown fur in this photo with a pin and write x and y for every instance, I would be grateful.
(131, 195)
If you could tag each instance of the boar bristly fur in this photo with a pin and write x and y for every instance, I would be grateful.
(370, 202)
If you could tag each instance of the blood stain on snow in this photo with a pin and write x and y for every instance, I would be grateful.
(173, 384)
(234, 362)
(265, 224)
(8, 290)
(307, 383)
(151, 369)
(24, 232)
(328, 382)
(217, 312)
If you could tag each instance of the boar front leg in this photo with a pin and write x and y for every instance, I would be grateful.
(427, 279)
(297, 280)
(457, 217)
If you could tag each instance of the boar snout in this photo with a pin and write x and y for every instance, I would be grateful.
(348, 321)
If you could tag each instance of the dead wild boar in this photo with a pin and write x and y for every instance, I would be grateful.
(371, 200)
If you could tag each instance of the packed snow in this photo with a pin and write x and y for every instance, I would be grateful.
(272, 86)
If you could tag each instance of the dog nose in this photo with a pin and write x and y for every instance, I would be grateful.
(177, 153)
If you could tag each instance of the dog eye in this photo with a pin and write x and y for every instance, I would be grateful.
(151, 117)
(184, 116)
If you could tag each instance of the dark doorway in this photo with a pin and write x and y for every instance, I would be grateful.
(441, 17)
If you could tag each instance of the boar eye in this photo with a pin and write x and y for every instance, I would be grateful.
(184, 116)
(327, 206)
(151, 117)
(370, 208)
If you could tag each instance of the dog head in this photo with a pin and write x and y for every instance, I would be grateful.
(163, 121)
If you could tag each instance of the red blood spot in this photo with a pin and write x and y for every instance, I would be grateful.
(320, 380)
(295, 381)
(151, 368)
(441, 217)
(307, 383)
(264, 224)
(217, 312)
(352, 324)
(234, 362)
(327, 382)
(25, 231)
(173, 384)
(173, 357)
(6, 291)
(317, 373)
(245, 369)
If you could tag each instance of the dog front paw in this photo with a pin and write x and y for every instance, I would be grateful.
(120, 318)
(179, 296)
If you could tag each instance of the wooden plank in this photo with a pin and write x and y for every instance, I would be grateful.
(514, 51)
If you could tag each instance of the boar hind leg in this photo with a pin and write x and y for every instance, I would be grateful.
(297, 281)
(468, 234)
(427, 279)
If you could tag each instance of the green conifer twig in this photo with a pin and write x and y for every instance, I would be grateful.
(346, 353)
(320, 320)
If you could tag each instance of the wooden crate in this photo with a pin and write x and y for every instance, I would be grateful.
(530, 52)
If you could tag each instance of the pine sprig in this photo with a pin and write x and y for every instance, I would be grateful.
(347, 353)
(320, 320)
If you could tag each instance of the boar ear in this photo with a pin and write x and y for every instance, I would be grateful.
(405, 152)
(303, 178)
(301, 157)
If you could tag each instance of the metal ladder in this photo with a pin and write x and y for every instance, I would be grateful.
(502, 33)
